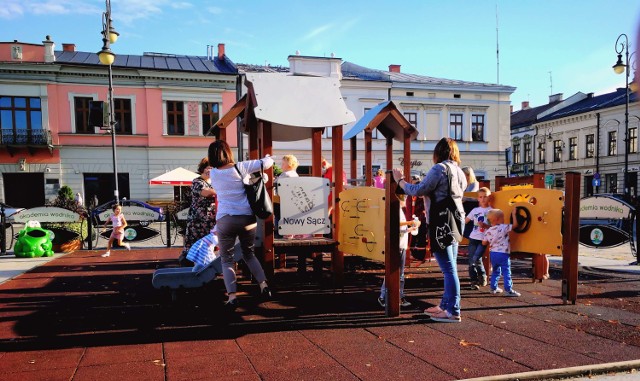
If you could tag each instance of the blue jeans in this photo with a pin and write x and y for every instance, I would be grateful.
(403, 258)
(447, 260)
(476, 268)
(501, 263)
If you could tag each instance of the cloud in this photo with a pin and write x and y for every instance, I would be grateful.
(181, 5)
(15, 9)
(215, 10)
(12, 9)
(316, 32)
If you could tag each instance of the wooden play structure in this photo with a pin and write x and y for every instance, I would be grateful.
(280, 107)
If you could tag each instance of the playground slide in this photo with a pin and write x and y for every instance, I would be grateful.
(174, 278)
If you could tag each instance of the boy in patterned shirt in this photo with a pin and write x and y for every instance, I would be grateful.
(497, 237)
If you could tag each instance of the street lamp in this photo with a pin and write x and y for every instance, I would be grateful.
(106, 56)
(619, 68)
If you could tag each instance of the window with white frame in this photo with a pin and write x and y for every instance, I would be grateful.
(590, 146)
(557, 151)
(455, 126)
(175, 117)
(633, 140)
(477, 127)
(573, 148)
(528, 156)
(81, 115)
(210, 115)
(612, 143)
(517, 156)
(123, 116)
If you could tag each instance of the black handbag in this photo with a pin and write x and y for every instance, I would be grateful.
(445, 222)
(257, 194)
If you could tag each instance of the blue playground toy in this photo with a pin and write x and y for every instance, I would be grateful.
(33, 242)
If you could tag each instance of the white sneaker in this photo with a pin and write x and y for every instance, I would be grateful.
(497, 290)
(127, 246)
(512, 292)
(108, 253)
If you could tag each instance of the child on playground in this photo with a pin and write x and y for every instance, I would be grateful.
(405, 227)
(497, 237)
(477, 273)
(118, 223)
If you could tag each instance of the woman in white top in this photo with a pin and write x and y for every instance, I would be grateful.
(234, 218)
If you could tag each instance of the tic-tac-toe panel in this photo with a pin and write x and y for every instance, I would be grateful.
(362, 220)
(540, 213)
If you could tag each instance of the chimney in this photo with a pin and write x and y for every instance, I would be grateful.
(525, 105)
(555, 98)
(69, 47)
(394, 68)
(511, 109)
(220, 51)
(49, 46)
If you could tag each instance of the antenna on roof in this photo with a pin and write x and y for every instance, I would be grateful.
(550, 83)
(497, 48)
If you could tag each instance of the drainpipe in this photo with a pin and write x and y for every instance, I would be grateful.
(598, 148)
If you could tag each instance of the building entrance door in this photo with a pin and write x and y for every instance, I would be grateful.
(24, 190)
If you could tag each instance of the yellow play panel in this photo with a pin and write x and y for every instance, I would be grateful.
(362, 221)
(543, 209)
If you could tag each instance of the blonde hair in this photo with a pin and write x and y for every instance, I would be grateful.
(495, 212)
(485, 190)
(471, 174)
(291, 160)
(380, 172)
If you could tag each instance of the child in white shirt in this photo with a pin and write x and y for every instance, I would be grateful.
(497, 237)
(478, 215)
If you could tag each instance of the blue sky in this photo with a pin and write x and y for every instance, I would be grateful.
(456, 39)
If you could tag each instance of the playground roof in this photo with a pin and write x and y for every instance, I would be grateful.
(293, 104)
(387, 119)
(178, 176)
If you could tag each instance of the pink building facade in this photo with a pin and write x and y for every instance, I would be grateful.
(164, 107)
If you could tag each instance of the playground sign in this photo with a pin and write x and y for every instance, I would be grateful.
(603, 207)
(46, 214)
(303, 205)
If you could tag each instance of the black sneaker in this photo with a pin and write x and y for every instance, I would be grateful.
(382, 302)
(404, 303)
(474, 286)
(266, 293)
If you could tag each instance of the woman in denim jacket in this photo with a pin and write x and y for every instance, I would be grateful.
(435, 184)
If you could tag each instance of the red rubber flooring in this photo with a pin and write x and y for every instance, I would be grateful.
(83, 317)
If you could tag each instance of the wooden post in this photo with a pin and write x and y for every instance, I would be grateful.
(392, 248)
(538, 180)
(267, 149)
(389, 153)
(337, 258)
(316, 152)
(570, 237)
(354, 161)
(499, 182)
(368, 165)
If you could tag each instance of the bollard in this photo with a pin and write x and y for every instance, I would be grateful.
(90, 229)
(3, 231)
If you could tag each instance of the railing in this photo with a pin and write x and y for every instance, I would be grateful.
(25, 138)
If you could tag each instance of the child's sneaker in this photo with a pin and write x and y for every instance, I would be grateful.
(127, 246)
(108, 253)
(404, 303)
(382, 302)
(483, 282)
(474, 286)
(512, 292)
(496, 290)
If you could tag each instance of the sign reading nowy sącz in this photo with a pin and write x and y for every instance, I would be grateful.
(132, 213)
(303, 205)
(604, 207)
(46, 214)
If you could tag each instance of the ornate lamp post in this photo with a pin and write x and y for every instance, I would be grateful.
(106, 56)
(620, 67)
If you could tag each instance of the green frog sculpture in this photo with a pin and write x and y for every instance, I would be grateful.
(33, 242)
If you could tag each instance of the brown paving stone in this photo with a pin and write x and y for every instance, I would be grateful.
(313, 372)
(521, 349)
(369, 357)
(186, 349)
(210, 366)
(436, 348)
(132, 371)
(63, 374)
(40, 360)
(122, 353)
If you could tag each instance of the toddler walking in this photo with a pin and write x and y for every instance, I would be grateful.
(497, 237)
(118, 223)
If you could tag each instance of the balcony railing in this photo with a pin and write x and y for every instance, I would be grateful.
(30, 138)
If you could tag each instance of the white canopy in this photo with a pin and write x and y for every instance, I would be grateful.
(178, 176)
(296, 104)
